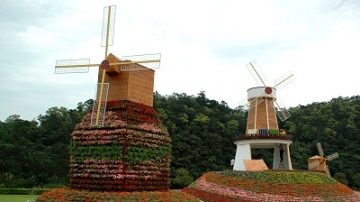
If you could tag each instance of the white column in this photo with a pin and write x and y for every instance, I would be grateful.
(243, 152)
(287, 157)
(276, 158)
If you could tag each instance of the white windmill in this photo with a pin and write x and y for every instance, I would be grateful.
(262, 129)
(113, 71)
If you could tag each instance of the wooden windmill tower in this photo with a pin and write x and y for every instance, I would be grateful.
(262, 129)
(264, 106)
(318, 163)
(118, 79)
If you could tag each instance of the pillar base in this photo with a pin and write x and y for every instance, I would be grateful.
(281, 157)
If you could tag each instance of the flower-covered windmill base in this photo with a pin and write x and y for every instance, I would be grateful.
(253, 186)
(130, 152)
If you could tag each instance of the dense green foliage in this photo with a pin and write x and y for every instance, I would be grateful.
(336, 124)
(202, 131)
(35, 153)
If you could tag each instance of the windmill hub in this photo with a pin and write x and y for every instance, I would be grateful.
(105, 64)
(268, 90)
(261, 91)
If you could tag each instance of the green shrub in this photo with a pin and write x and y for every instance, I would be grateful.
(23, 191)
(182, 178)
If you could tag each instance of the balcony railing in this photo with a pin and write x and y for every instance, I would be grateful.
(263, 136)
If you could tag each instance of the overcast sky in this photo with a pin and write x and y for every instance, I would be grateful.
(205, 46)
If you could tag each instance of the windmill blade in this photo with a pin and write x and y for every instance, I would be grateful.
(314, 164)
(332, 156)
(247, 105)
(254, 102)
(98, 116)
(327, 171)
(256, 72)
(284, 80)
(139, 62)
(108, 28)
(73, 66)
(282, 112)
(320, 149)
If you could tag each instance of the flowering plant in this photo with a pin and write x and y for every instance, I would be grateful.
(130, 152)
(67, 195)
(269, 186)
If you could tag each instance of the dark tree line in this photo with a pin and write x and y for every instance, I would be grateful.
(336, 124)
(202, 131)
(35, 153)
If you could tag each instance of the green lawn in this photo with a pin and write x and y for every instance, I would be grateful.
(16, 198)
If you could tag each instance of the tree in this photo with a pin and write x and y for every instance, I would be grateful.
(202, 131)
(182, 178)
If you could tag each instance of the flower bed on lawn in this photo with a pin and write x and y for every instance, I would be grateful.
(70, 195)
(130, 152)
(270, 186)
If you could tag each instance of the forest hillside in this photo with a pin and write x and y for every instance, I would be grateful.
(35, 153)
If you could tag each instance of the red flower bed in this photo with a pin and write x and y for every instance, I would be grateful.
(69, 195)
(218, 187)
(131, 152)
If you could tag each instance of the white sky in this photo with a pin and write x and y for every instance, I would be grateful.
(205, 46)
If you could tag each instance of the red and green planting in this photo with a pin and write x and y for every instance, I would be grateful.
(131, 152)
(70, 195)
(269, 186)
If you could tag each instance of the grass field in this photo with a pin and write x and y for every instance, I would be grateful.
(16, 198)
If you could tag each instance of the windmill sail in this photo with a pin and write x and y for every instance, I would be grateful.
(327, 171)
(72, 66)
(99, 115)
(256, 73)
(332, 156)
(247, 105)
(281, 111)
(284, 80)
(108, 28)
(140, 62)
(320, 149)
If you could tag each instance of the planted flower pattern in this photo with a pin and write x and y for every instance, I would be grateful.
(131, 152)
(269, 186)
(68, 195)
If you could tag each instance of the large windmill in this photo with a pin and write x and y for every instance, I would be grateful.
(262, 129)
(112, 153)
(112, 72)
(318, 163)
(263, 105)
